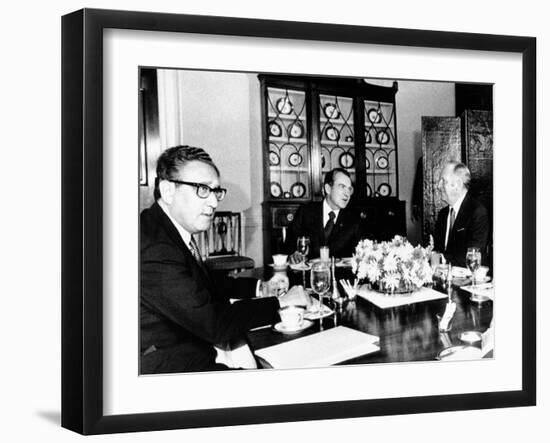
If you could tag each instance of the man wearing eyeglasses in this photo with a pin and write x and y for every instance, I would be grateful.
(186, 320)
(328, 223)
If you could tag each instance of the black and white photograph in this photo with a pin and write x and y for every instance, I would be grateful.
(275, 222)
(292, 221)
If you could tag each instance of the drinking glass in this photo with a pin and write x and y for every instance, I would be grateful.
(302, 246)
(320, 283)
(473, 261)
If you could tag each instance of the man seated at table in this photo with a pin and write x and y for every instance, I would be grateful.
(328, 223)
(187, 322)
(464, 223)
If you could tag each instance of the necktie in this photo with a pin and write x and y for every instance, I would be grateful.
(195, 250)
(329, 225)
(451, 220)
(451, 223)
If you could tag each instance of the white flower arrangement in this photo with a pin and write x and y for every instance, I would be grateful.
(393, 266)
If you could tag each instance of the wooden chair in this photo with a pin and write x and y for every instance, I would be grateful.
(222, 246)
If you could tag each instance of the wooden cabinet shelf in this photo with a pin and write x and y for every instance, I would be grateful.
(338, 117)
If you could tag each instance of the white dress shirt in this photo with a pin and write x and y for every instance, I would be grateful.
(326, 210)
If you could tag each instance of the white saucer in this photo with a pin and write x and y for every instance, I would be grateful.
(344, 263)
(469, 279)
(278, 268)
(280, 327)
(316, 315)
(470, 336)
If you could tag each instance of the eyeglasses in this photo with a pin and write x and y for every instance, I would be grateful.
(203, 191)
(343, 187)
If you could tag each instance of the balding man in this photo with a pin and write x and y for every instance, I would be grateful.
(464, 223)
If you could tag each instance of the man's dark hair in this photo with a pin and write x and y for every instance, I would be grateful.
(329, 176)
(171, 160)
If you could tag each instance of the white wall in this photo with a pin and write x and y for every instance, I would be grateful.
(30, 226)
(220, 112)
(414, 100)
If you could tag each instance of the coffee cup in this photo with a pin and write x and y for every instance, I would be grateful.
(292, 317)
(279, 259)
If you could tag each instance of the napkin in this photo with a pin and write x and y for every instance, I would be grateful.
(487, 341)
(321, 349)
(450, 309)
(460, 353)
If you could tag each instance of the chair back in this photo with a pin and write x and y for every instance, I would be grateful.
(224, 237)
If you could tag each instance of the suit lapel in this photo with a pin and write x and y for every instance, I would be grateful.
(317, 218)
(463, 215)
(175, 236)
(339, 224)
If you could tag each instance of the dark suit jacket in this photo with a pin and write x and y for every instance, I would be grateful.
(308, 220)
(183, 311)
(471, 228)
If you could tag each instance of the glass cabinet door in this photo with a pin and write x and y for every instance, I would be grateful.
(380, 149)
(289, 151)
(336, 130)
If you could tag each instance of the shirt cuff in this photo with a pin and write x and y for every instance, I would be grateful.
(259, 288)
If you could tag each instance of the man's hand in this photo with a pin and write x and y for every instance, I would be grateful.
(276, 286)
(296, 296)
(295, 257)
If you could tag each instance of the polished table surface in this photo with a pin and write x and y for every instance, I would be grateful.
(407, 333)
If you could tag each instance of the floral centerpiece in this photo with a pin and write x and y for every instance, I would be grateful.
(392, 267)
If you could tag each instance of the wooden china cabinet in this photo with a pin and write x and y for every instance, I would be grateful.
(311, 125)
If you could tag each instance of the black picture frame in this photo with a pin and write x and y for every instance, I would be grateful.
(82, 218)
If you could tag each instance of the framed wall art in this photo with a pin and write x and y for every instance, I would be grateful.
(108, 166)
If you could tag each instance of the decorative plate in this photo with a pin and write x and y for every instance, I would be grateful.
(274, 129)
(332, 133)
(368, 137)
(295, 159)
(374, 116)
(346, 160)
(384, 190)
(296, 130)
(331, 111)
(274, 159)
(284, 105)
(369, 191)
(298, 190)
(382, 162)
(276, 189)
(349, 138)
(382, 137)
(367, 163)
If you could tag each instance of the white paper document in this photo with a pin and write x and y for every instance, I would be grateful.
(324, 348)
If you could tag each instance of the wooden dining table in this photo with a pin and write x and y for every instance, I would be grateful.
(406, 333)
